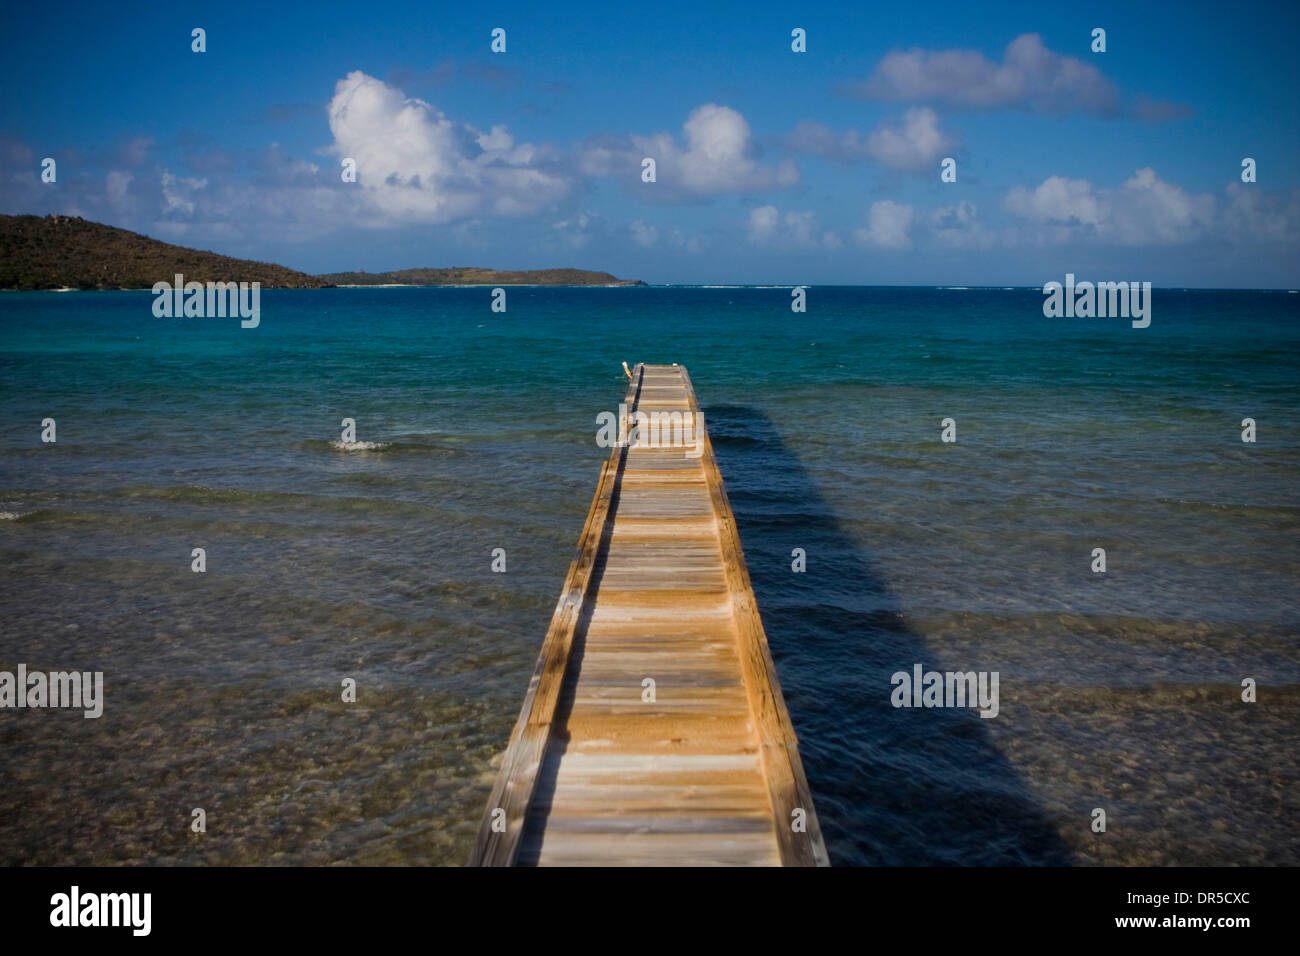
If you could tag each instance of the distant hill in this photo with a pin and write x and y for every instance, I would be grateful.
(472, 275)
(54, 252)
(58, 252)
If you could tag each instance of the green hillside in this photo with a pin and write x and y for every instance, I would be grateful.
(54, 252)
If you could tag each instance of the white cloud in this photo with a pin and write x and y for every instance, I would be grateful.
(914, 144)
(719, 156)
(888, 224)
(1056, 200)
(416, 165)
(798, 229)
(1143, 210)
(1030, 76)
(1147, 210)
(178, 193)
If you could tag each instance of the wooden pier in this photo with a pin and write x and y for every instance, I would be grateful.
(653, 731)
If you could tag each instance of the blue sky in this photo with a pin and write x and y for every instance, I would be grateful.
(772, 166)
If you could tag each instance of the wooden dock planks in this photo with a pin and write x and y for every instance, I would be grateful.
(708, 771)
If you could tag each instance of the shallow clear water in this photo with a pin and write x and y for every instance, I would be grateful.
(1118, 691)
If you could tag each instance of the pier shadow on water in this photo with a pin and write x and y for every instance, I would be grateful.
(895, 786)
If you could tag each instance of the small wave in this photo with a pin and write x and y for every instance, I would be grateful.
(359, 445)
(394, 446)
(9, 516)
(402, 445)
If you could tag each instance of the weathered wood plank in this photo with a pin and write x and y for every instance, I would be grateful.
(705, 769)
(517, 779)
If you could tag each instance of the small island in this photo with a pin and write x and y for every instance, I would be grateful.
(68, 252)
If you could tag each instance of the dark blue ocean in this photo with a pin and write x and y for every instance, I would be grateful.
(1120, 691)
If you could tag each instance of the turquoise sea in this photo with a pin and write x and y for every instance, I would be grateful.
(1120, 691)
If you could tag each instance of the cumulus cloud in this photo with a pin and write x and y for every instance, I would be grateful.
(718, 155)
(1147, 209)
(1030, 77)
(414, 164)
(797, 229)
(1056, 200)
(888, 225)
(1143, 210)
(179, 192)
(914, 143)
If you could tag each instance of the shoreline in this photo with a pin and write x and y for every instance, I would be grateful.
(484, 285)
(388, 285)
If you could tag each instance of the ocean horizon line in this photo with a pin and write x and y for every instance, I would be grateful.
(692, 285)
